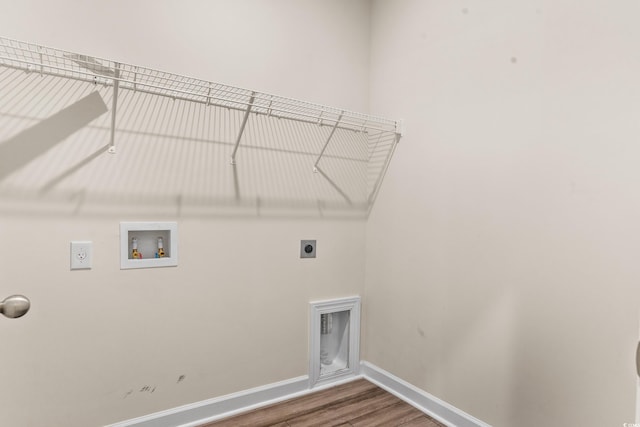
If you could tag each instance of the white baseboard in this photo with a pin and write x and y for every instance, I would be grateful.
(199, 413)
(427, 403)
(212, 409)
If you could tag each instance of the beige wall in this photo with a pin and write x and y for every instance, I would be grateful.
(500, 257)
(502, 253)
(106, 345)
(306, 49)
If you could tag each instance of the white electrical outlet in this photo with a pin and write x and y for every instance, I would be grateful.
(81, 255)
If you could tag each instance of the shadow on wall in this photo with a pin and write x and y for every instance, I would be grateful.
(173, 156)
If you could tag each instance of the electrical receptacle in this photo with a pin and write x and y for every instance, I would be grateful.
(81, 255)
(307, 249)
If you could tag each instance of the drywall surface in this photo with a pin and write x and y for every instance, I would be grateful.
(105, 345)
(307, 49)
(502, 253)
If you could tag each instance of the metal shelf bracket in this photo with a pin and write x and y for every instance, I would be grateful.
(333, 130)
(114, 106)
(242, 126)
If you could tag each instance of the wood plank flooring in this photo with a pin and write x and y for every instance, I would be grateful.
(358, 403)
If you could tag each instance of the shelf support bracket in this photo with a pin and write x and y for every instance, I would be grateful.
(333, 130)
(114, 106)
(387, 161)
(209, 95)
(316, 168)
(333, 184)
(135, 79)
(242, 126)
(41, 61)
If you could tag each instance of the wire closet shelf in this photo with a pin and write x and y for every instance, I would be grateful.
(46, 61)
(50, 61)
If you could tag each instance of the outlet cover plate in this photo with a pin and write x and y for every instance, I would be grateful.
(81, 255)
(307, 248)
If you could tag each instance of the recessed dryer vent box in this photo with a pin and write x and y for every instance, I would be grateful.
(334, 343)
(148, 244)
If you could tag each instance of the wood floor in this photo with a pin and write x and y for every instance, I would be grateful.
(358, 403)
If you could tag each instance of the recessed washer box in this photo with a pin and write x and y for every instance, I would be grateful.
(148, 244)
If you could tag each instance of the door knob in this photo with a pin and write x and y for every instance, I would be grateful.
(15, 306)
(638, 359)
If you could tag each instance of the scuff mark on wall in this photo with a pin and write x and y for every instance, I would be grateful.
(144, 389)
(147, 389)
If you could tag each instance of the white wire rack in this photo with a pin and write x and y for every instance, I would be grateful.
(45, 60)
(33, 58)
